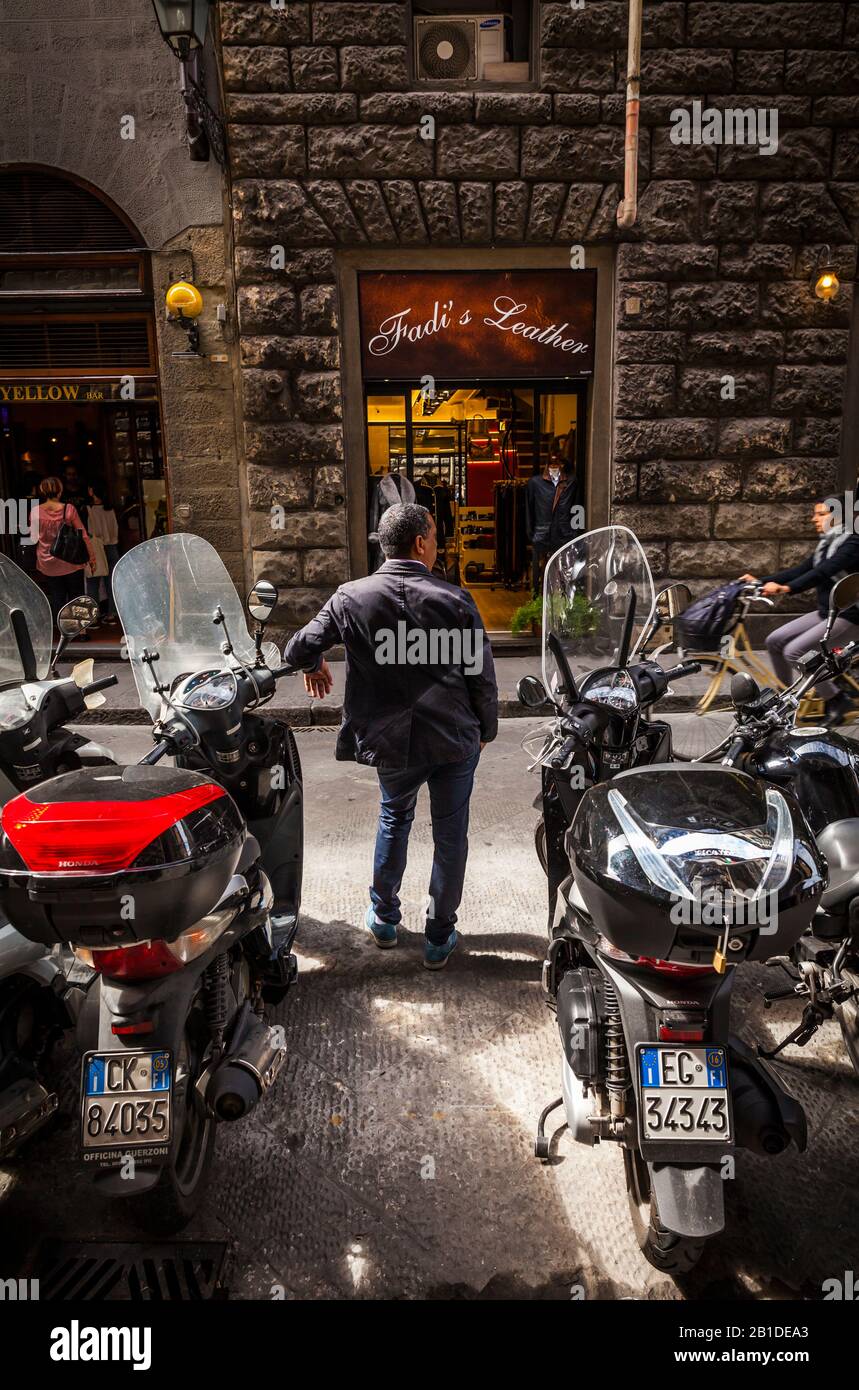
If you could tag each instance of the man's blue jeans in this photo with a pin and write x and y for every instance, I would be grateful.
(449, 787)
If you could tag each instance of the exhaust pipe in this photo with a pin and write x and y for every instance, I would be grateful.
(244, 1074)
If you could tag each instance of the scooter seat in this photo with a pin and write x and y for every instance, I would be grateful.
(839, 842)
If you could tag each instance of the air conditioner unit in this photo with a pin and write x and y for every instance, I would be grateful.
(457, 47)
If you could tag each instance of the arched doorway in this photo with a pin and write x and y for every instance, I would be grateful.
(78, 366)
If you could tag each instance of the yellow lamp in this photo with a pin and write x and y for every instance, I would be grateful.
(827, 283)
(184, 300)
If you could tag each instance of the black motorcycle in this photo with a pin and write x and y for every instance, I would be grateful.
(41, 991)
(821, 769)
(663, 878)
(179, 886)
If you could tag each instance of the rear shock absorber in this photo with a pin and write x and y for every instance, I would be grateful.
(215, 997)
(616, 1066)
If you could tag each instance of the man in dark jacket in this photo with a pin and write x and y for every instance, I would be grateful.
(553, 512)
(420, 703)
(836, 554)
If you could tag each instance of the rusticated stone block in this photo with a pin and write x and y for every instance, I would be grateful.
(644, 260)
(317, 395)
(722, 390)
(763, 72)
(475, 212)
(329, 198)
(511, 210)
(266, 151)
(573, 153)
(801, 154)
(293, 444)
(404, 206)
(755, 437)
(408, 108)
(625, 480)
(299, 605)
(816, 389)
(438, 198)
(366, 198)
(741, 521)
(690, 70)
(581, 203)
(288, 108)
(276, 212)
(670, 211)
(282, 569)
(675, 161)
(591, 26)
(756, 261)
(580, 109)
(288, 487)
(642, 304)
(254, 266)
(266, 395)
(642, 391)
(815, 25)
(361, 23)
(672, 439)
(712, 558)
(329, 485)
(267, 309)
(800, 212)
(794, 304)
(513, 108)
(314, 354)
(484, 151)
(729, 211)
(813, 435)
(309, 530)
(831, 73)
(789, 479)
(834, 110)
(383, 151)
(370, 69)
(314, 69)
(817, 345)
(319, 309)
(546, 202)
(257, 70)
(662, 480)
(712, 305)
(325, 569)
(568, 70)
(844, 258)
(603, 224)
(650, 347)
(262, 24)
(659, 522)
(736, 346)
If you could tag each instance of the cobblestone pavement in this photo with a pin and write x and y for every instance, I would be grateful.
(394, 1157)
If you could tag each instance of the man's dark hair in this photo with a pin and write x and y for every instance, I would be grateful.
(400, 527)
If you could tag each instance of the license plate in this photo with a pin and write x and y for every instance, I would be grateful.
(126, 1100)
(683, 1093)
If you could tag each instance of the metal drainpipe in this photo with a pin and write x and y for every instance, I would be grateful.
(627, 209)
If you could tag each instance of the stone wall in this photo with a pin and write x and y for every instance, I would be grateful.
(713, 281)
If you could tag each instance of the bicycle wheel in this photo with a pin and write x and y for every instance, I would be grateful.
(694, 733)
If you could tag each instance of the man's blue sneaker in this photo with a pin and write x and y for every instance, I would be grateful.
(384, 933)
(436, 957)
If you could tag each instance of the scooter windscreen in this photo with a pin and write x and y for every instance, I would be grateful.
(589, 618)
(17, 590)
(167, 592)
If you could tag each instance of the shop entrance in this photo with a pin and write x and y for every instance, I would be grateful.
(469, 448)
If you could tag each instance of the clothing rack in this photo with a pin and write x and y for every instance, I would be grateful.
(511, 536)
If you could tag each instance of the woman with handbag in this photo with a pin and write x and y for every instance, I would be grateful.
(64, 552)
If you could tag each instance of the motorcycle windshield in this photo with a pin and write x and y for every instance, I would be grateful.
(586, 589)
(167, 591)
(17, 590)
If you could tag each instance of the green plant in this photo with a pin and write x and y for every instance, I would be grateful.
(530, 612)
(568, 617)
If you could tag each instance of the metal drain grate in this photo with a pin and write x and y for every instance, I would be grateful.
(189, 1272)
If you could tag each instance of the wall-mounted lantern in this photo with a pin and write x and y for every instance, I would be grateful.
(826, 284)
(184, 306)
(183, 25)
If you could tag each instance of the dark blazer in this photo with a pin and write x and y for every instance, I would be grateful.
(549, 524)
(821, 574)
(397, 714)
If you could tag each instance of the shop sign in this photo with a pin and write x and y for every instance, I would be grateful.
(481, 324)
(72, 392)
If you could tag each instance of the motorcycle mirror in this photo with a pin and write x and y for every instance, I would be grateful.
(531, 692)
(844, 594)
(672, 600)
(744, 688)
(262, 600)
(78, 615)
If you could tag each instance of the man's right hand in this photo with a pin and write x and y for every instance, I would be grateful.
(319, 683)
(749, 578)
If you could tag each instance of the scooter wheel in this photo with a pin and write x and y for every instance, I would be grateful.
(666, 1251)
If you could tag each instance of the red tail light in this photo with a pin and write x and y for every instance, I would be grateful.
(99, 836)
(670, 967)
(147, 961)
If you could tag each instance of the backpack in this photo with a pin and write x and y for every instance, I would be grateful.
(69, 544)
(701, 627)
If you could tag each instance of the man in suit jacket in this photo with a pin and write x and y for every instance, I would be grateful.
(421, 702)
(836, 554)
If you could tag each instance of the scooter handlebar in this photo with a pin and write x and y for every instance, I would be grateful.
(102, 684)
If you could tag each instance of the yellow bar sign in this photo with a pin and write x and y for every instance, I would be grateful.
(23, 392)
